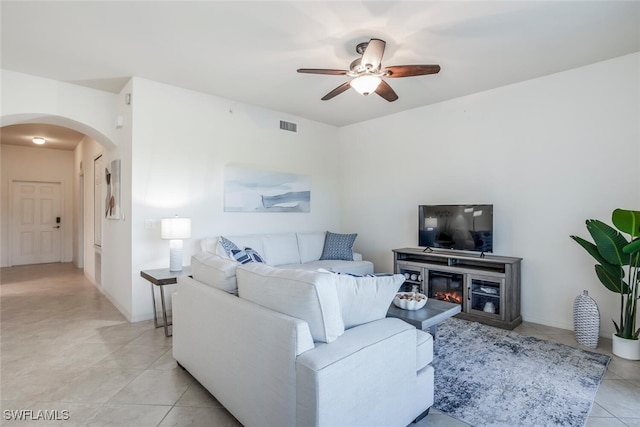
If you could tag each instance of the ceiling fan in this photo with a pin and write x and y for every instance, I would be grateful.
(367, 72)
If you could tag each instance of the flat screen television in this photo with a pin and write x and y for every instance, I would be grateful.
(460, 227)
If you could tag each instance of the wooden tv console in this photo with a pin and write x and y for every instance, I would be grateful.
(487, 286)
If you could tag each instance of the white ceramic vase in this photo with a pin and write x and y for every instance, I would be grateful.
(627, 349)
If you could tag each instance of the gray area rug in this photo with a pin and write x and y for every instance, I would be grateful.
(487, 376)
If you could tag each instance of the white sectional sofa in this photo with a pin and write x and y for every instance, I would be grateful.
(300, 348)
(301, 251)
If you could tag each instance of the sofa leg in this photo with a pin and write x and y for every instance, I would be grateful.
(421, 416)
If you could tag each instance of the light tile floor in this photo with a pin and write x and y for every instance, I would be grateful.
(64, 347)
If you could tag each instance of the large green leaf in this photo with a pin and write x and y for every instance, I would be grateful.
(613, 270)
(611, 281)
(609, 242)
(627, 221)
(632, 248)
(591, 248)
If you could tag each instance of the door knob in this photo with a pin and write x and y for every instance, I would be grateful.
(57, 226)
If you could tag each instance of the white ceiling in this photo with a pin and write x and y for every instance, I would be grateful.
(249, 51)
(57, 137)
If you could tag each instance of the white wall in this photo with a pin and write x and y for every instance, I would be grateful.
(85, 153)
(31, 99)
(36, 164)
(182, 141)
(172, 163)
(535, 150)
(548, 153)
(117, 244)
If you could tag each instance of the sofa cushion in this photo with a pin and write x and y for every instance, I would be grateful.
(364, 299)
(336, 266)
(215, 271)
(338, 246)
(310, 246)
(307, 295)
(280, 248)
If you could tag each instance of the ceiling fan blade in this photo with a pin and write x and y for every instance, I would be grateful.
(322, 71)
(372, 55)
(337, 91)
(411, 70)
(385, 91)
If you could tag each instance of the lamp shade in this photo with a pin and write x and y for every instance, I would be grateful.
(365, 84)
(175, 228)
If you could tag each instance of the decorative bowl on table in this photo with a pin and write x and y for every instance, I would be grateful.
(410, 300)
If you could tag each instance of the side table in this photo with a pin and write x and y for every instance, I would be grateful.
(428, 317)
(159, 278)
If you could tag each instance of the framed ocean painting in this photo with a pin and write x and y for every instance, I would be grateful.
(255, 190)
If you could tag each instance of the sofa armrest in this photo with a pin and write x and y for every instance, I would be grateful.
(229, 315)
(213, 270)
(243, 353)
(366, 377)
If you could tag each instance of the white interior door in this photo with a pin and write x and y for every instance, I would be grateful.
(36, 227)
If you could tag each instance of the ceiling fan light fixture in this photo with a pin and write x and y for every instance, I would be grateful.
(364, 85)
(39, 140)
(367, 72)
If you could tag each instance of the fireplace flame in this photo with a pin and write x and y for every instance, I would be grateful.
(455, 297)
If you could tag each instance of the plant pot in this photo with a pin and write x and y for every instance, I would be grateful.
(627, 349)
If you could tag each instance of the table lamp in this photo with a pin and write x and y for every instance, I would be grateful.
(175, 230)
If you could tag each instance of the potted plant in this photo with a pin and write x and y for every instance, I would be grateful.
(618, 269)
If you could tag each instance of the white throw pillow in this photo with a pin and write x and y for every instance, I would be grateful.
(364, 299)
(310, 246)
(215, 271)
(307, 295)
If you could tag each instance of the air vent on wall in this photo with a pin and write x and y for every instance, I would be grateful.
(291, 127)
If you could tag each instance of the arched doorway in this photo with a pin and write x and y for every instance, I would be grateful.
(71, 171)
